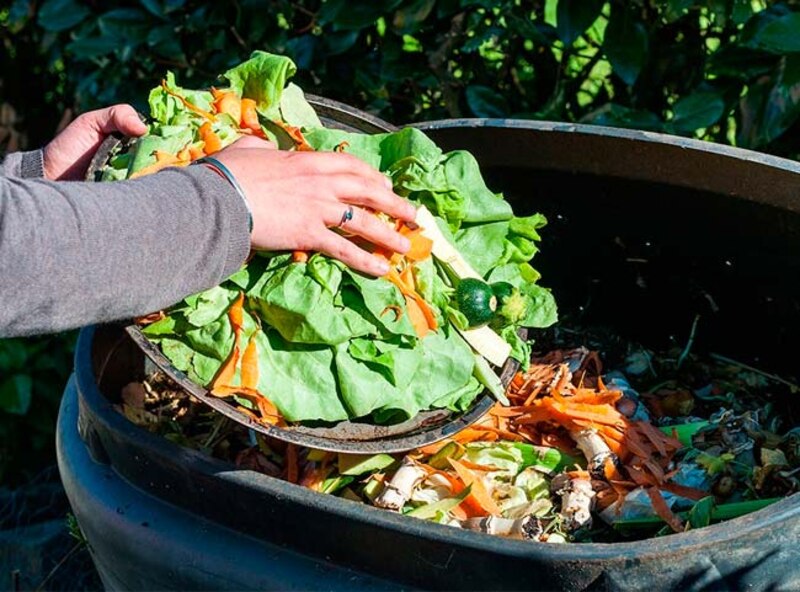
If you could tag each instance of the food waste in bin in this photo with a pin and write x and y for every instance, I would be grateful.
(665, 442)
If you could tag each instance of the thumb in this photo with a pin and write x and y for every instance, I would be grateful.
(119, 118)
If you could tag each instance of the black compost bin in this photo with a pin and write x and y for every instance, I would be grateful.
(646, 231)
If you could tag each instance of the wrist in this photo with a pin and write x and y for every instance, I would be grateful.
(220, 169)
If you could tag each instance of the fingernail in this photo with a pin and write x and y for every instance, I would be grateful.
(381, 267)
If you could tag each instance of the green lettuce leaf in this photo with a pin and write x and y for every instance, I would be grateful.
(295, 110)
(293, 302)
(262, 78)
(166, 109)
(298, 378)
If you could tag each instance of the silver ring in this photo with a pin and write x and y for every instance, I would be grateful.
(346, 217)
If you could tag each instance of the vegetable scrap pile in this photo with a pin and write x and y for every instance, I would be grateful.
(296, 337)
(579, 454)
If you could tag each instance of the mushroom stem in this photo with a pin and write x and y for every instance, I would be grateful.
(526, 527)
(595, 450)
(577, 500)
(400, 488)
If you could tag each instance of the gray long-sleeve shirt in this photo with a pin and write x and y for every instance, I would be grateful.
(74, 253)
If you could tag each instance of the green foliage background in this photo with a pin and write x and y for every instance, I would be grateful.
(720, 70)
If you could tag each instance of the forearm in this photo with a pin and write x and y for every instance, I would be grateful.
(72, 254)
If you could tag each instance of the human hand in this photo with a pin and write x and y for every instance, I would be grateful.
(297, 198)
(68, 155)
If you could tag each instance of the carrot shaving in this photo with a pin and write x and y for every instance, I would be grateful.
(478, 467)
(299, 256)
(532, 397)
(432, 449)
(478, 492)
(250, 365)
(421, 245)
(250, 118)
(212, 142)
(187, 104)
(662, 509)
(683, 491)
(417, 317)
(296, 135)
(229, 104)
(468, 435)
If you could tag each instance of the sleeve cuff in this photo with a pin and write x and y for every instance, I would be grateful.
(32, 165)
(237, 213)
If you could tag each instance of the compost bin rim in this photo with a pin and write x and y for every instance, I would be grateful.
(649, 157)
(617, 133)
(103, 414)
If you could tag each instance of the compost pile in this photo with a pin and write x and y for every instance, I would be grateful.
(299, 337)
(667, 442)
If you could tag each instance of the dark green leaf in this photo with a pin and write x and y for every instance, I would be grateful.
(129, 24)
(538, 32)
(408, 19)
(780, 35)
(301, 50)
(625, 44)
(771, 105)
(615, 115)
(573, 17)
(15, 394)
(336, 43)
(18, 14)
(741, 11)
(698, 110)
(355, 14)
(60, 15)
(735, 61)
(160, 8)
(700, 514)
(675, 9)
(166, 42)
(154, 7)
(485, 102)
(93, 47)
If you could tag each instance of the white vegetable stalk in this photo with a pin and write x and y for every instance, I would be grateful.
(526, 528)
(577, 500)
(401, 487)
(595, 450)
